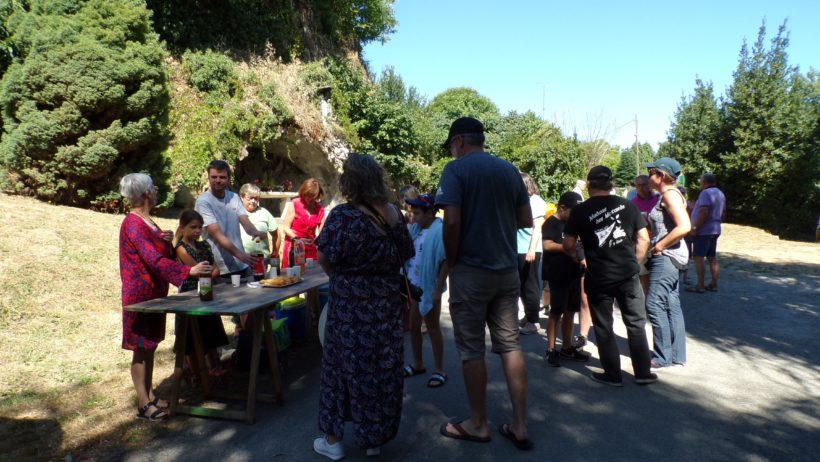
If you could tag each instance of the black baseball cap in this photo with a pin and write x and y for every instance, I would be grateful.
(461, 126)
(599, 172)
(569, 199)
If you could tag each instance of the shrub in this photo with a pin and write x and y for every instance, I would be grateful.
(209, 72)
(85, 100)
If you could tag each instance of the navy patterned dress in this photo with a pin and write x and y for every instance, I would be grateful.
(361, 378)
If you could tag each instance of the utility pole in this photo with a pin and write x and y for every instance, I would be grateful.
(637, 149)
(543, 100)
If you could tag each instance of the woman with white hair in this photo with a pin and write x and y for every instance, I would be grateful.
(147, 265)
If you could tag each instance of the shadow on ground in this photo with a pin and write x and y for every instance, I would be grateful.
(30, 438)
(750, 392)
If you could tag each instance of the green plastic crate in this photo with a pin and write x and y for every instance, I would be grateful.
(281, 334)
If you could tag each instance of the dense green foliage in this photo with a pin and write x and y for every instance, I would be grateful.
(292, 28)
(391, 121)
(220, 114)
(761, 140)
(628, 167)
(84, 99)
(538, 148)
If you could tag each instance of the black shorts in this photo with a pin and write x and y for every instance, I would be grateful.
(565, 296)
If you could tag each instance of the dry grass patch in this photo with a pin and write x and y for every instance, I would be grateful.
(62, 365)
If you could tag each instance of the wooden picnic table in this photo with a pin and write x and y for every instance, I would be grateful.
(229, 300)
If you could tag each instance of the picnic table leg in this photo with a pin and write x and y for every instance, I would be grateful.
(250, 411)
(273, 358)
(179, 361)
(199, 353)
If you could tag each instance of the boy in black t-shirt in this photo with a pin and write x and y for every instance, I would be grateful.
(563, 273)
(615, 239)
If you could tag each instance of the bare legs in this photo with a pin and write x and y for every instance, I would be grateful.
(700, 269)
(515, 370)
(566, 321)
(715, 268)
(431, 319)
(142, 373)
(584, 317)
(475, 380)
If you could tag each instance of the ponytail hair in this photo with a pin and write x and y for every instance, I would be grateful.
(185, 218)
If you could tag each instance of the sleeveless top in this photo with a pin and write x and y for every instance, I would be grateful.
(201, 252)
(660, 222)
(304, 223)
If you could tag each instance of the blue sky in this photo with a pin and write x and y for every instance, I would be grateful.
(590, 66)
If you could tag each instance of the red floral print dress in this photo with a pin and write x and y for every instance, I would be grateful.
(146, 268)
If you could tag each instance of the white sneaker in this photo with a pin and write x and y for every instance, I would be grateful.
(373, 452)
(333, 451)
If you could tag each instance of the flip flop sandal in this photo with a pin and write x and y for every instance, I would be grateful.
(461, 433)
(436, 380)
(410, 371)
(525, 445)
(695, 290)
(711, 288)
(155, 416)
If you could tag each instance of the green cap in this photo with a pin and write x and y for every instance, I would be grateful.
(667, 165)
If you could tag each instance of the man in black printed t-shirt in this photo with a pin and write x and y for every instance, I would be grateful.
(615, 239)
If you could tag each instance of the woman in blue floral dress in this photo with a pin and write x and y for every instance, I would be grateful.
(361, 247)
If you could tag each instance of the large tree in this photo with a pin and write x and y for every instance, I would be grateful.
(696, 138)
(756, 115)
(771, 115)
(540, 149)
(453, 103)
(85, 100)
(629, 167)
(761, 139)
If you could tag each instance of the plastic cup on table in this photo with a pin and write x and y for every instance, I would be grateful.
(236, 280)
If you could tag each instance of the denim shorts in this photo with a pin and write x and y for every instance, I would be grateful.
(479, 298)
(705, 245)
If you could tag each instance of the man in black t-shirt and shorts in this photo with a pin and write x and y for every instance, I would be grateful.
(615, 239)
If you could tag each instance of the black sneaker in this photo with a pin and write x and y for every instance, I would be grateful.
(600, 377)
(552, 358)
(575, 354)
(579, 341)
(651, 378)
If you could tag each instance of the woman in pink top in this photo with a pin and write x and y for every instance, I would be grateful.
(303, 219)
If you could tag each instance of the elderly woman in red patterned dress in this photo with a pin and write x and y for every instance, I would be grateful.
(147, 265)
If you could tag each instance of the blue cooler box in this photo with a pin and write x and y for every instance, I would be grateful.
(293, 310)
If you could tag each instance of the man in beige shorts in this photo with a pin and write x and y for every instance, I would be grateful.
(485, 202)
